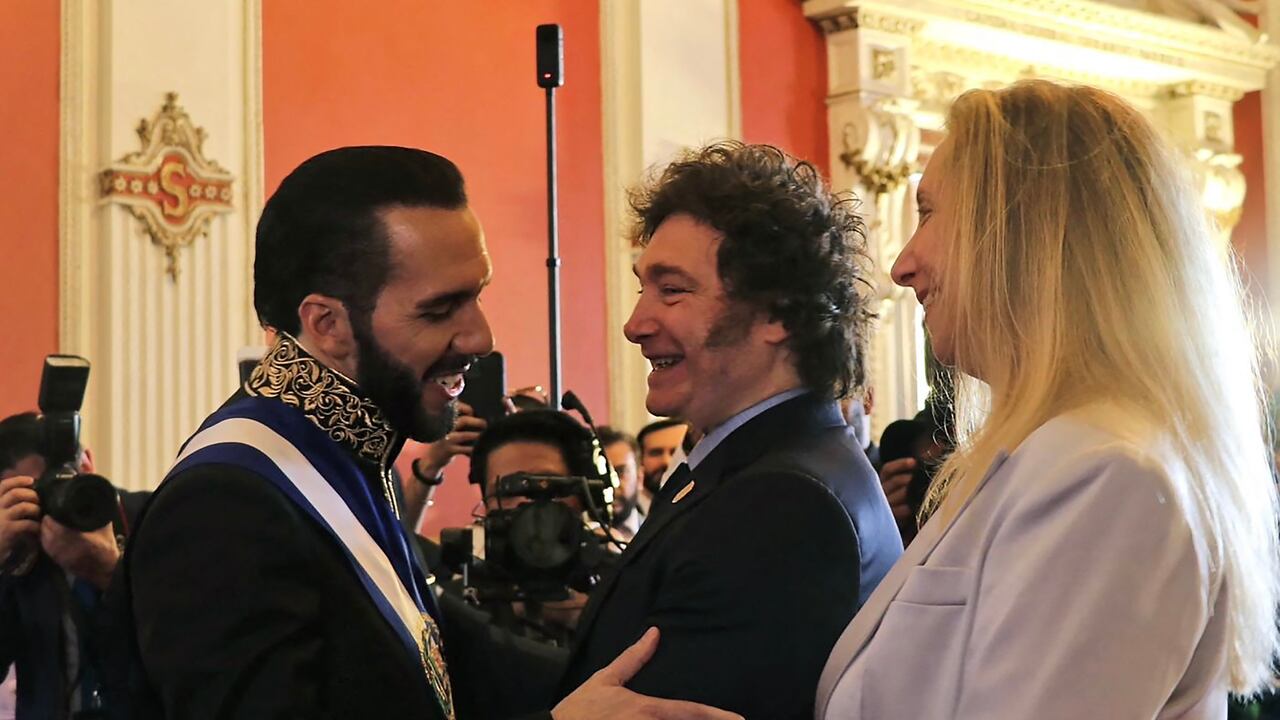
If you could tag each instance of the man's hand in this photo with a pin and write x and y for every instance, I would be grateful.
(91, 556)
(894, 478)
(603, 696)
(459, 441)
(19, 514)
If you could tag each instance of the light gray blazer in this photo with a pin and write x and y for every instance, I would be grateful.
(1069, 586)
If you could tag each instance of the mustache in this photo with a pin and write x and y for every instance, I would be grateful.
(450, 364)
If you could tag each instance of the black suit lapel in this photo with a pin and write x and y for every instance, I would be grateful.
(799, 416)
(661, 512)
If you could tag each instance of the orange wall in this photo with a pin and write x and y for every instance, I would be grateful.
(458, 79)
(1250, 235)
(29, 52)
(783, 63)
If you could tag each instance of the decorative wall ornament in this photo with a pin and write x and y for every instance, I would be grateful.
(867, 18)
(1206, 89)
(1114, 26)
(884, 63)
(1222, 188)
(169, 185)
(878, 179)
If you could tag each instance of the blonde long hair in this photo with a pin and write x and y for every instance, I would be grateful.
(1081, 267)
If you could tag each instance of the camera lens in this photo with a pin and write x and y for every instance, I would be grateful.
(84, 502)
(545, 536)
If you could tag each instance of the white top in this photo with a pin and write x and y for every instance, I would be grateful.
(1070, 586)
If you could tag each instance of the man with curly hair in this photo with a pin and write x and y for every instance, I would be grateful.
(761, 547)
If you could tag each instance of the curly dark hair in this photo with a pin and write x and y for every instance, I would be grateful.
(791, 249)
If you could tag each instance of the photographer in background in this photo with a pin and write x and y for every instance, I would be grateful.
(857, 413)
(505, 657)
(623, 452)
(427, 472)
(659, 441)
(912, 450)
(50, 627)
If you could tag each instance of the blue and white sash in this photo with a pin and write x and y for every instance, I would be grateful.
(282, 445)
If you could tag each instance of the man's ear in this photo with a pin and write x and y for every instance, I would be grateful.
(772, 330)
(86, 461)
(325, 329)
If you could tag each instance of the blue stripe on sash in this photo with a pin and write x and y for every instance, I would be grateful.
(252, 459)
(340, 470)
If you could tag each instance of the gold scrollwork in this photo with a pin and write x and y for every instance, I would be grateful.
(884, 63)
(878, 179)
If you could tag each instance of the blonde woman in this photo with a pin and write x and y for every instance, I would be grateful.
(1104, 540)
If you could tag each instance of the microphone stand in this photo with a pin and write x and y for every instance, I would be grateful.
(550, 41)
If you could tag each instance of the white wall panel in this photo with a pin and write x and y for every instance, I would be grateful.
(163, 350)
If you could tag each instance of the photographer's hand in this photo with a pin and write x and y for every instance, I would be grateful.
(19, 514)
(91, 556)
(603, 695)
(459, 441)
(418, 484)
(894, 478)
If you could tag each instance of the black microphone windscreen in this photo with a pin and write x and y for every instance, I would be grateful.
(570, 401)
(550, 56)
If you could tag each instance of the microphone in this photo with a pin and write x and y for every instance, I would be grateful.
(571, 402)
(550, 42)
(550, 56)
(604, 471)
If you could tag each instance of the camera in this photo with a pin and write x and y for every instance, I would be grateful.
(80, 501)
(540, 548)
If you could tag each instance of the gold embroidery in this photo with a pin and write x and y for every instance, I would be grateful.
(328, 398)
(433, 663)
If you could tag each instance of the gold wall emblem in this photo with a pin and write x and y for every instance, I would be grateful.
(169, 185)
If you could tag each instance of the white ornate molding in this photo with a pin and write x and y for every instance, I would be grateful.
(1221, 14)
(895, 66)
(1270, 23)
(163, 351)
(1076, 29)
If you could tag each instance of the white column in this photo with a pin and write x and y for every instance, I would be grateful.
(1270, 22)
(670, 81)
(875, 146)
(163, 350)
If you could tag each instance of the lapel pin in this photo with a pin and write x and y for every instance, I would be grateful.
(683, 491)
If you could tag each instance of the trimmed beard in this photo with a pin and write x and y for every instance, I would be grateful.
(628, 507)
(395, 389)
(653, 480)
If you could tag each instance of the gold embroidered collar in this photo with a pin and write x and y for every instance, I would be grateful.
(328, 398)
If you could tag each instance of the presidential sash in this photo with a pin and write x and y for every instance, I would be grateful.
(281, 444)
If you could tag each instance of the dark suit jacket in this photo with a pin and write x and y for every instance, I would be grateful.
(244, 607)
(32, 637)
(752, 575)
